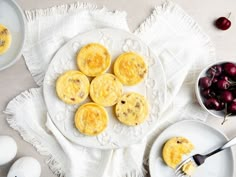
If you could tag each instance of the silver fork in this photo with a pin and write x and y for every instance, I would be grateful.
(199, 159)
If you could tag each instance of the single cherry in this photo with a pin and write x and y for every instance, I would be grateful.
(215, 70)
(226, 96)
(212, 103)
(232, 108)
(223, 23)
(230, 69)
(208, 93)
(223, 84)
(205, 82)
(221, 107)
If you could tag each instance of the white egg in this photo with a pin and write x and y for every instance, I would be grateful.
(8, 149)
(25, 167)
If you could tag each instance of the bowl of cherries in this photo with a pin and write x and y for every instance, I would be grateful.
(216, 89)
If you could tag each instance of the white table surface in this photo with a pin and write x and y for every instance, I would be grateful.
(17, 78)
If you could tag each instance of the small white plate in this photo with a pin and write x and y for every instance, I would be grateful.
(12, 17)
(117, 135)
(205, 139)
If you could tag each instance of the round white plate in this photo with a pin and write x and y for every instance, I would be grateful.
(205, 139)
(116, 135)
(12, 17)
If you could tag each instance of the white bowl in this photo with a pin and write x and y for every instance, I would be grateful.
(200, 98)
(13, 18)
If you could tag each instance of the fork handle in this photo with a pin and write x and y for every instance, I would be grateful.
(230, 143)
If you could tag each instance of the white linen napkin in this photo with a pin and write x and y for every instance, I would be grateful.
(174, 36)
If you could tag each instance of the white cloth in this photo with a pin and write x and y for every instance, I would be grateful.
(173, 36)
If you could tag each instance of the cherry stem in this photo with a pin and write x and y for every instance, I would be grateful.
(213, 76)
(225, 119)
(232, 83)
(229, 15)
(226, 115)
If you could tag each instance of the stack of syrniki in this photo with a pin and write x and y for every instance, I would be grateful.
(105, 89)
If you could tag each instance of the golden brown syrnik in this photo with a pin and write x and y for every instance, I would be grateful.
(93, 59)
(5, 39)
(106, 89)
(72, 87)
(130, 68)
(132, 109)
(91, 119)
(174, 149)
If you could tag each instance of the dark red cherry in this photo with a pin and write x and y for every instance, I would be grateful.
(231, 108)
(215, 70)
(223, 23)
(230, 69)
(226, 96)
(205, 82)
(223, 84)
(221, 107)
(212, 103)
(208, 93)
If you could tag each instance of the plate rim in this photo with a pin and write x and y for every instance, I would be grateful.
(183, 121)
(130, 33)
(24, 35)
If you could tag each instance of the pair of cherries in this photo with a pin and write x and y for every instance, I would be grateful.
(223, 23)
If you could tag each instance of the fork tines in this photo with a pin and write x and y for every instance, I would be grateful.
(178, 171)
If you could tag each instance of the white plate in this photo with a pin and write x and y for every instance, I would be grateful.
(205, 139)
(12, 17)
(116, 135)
